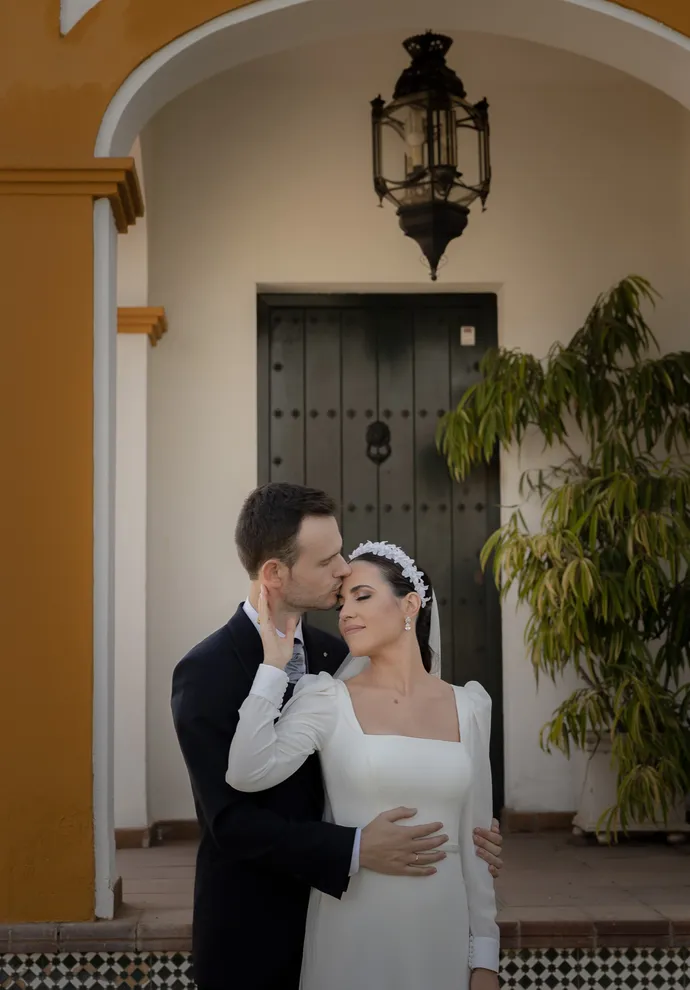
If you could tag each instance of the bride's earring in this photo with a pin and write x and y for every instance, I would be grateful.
(408, 623)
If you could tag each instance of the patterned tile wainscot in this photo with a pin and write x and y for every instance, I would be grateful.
(523, 969)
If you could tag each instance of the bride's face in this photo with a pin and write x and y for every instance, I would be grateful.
(371, 616)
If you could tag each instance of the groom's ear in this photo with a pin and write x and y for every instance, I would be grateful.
(270, 574)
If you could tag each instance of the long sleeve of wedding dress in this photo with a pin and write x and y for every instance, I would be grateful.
(265, 752)
(477, 813)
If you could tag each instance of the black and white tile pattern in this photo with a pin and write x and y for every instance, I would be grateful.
(101, 971)
(602, 969)
(662, 969)
(527, 969)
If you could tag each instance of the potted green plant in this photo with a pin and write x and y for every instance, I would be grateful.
(606, 578)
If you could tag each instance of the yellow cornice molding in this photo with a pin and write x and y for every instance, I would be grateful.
(114, 179)
(150, 320)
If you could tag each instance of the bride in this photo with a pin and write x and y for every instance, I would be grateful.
(389, 731)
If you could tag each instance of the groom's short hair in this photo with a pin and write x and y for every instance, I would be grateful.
(270, 521)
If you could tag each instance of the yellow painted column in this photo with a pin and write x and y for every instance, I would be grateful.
(46, 474)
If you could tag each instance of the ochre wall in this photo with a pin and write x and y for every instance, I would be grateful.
(59, 87)
(53, 93)
(673, 13)
(46, 437)
(55, 89)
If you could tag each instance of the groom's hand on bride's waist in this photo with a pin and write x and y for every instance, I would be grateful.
(401, 850)
(489, 843)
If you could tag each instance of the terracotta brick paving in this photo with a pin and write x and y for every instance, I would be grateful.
(553, 893)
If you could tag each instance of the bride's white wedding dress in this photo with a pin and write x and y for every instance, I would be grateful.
(387, 932)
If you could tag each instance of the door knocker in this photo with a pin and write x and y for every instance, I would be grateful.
(378, 437)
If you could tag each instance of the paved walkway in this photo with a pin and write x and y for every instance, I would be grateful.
(553, 893)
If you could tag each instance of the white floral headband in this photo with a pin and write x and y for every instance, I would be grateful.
(399, 557)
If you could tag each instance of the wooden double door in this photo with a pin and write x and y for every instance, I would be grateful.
(351, 389)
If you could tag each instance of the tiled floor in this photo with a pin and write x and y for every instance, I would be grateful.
(552, 892)
(528, 969)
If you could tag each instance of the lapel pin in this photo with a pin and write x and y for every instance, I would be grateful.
(325, 654)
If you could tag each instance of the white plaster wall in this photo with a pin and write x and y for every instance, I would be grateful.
(262, 177)
(130, 755)
(131, 809)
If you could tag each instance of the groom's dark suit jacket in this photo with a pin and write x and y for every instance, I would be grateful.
(259, 853)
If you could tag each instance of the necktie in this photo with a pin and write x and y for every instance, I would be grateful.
(297, 665)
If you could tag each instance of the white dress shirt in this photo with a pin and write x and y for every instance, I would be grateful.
(273, 679)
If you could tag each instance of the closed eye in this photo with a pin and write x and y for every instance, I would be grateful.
(361, 598)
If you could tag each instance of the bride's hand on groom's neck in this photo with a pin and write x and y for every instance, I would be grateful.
(277, 649)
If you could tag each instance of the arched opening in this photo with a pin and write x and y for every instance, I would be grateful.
(600, 32)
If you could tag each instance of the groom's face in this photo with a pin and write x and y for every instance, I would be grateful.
(314, 580)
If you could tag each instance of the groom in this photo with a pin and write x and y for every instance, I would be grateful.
(260, 854)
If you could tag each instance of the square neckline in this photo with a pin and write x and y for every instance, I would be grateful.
(399, 735)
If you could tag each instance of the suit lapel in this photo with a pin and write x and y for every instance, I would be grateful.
(323, 653)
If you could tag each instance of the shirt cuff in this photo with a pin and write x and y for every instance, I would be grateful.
(270, 683)
(484, 953)
(354, 862)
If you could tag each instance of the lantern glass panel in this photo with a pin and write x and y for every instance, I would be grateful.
(413, 117)
(469, 157)
(394, 159)
(444, 146)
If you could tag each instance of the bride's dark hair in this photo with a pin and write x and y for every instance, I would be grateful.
(402, 586)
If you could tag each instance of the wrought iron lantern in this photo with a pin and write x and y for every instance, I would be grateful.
(440, 130)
